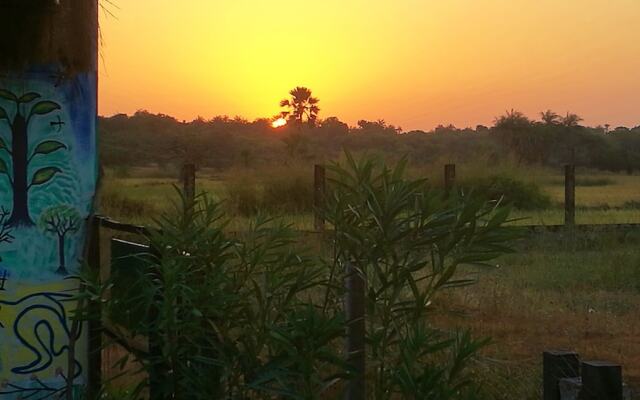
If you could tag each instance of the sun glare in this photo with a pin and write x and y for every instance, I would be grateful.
(279, 122)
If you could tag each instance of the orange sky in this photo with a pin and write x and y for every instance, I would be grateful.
(414, 63)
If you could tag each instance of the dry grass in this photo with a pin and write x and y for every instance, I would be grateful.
(581, 295)
(556, 294)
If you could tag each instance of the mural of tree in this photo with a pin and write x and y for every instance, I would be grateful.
(60, 221)
(5, 231)
(21, 155)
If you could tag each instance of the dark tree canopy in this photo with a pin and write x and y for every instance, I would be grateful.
(146, 139)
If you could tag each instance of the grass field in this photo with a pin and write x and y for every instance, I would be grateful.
(571, 292)
(580, 294)
(600, 198)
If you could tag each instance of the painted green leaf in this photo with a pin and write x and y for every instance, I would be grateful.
(3, 167)
(29, 97)
(44, 107)
(5, 94)
(3, 145)
(49, 146)
(44, 175)
(3, 114)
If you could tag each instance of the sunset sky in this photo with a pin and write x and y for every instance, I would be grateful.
(414, 63)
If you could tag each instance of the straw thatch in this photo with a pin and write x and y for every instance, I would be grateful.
(44, 32)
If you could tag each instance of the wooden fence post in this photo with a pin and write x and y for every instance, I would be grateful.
(557, 365)
(189, 182)
(569, 195)
(356, 331)
(319, 192)
(601, 380)
(449, 178)
(94, 384)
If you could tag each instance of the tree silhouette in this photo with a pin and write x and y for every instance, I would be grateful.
(60, 221)
(512, 120)
(301, 104)
(550, 117)
(21, 155)
(571, 120)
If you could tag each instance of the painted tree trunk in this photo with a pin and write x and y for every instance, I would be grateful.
(20, 147)
(62, 269)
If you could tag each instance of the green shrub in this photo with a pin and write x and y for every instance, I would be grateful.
(243, 197)
(255, 317)
(289, 193)
(275, 191)
(521, 195)
(632, 204)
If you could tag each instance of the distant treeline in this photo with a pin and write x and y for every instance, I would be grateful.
(148, 139)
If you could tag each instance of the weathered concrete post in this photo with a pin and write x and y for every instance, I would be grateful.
(48, 172)
(601, 380)
(319, 193)
(569, 195)
(449, 178)
(558, 365)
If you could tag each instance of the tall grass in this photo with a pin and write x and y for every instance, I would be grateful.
(276, 190)
(115, 202)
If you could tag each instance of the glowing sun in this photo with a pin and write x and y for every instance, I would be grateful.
(279, 122)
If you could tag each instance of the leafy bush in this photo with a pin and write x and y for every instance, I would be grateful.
(407, 244)
(243, 196)
(632, 204)
(277, 191)
(521, 195)
(255, 316)
(291, 192)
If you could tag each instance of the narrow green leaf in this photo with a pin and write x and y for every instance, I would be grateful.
(5, 94)
(29, 97)
(49, 146)
(3, 167)
(44, 107)
(44, 175)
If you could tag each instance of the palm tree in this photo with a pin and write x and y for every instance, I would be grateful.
(550, 117)
(301, 105)
(571, 120)
(512, 120)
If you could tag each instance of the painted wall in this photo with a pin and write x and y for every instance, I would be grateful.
(47, 184)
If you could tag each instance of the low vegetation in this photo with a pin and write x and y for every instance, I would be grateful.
(256, 315)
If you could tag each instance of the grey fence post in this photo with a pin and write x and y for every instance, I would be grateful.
(319, 192)
(557, 365)
(356, 331)
(601, 380)
(449, 178)
(189, 182)
(569, 195)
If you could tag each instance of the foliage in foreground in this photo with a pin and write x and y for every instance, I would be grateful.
(257, 316)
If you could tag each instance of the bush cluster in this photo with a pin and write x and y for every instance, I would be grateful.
(255, 316)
